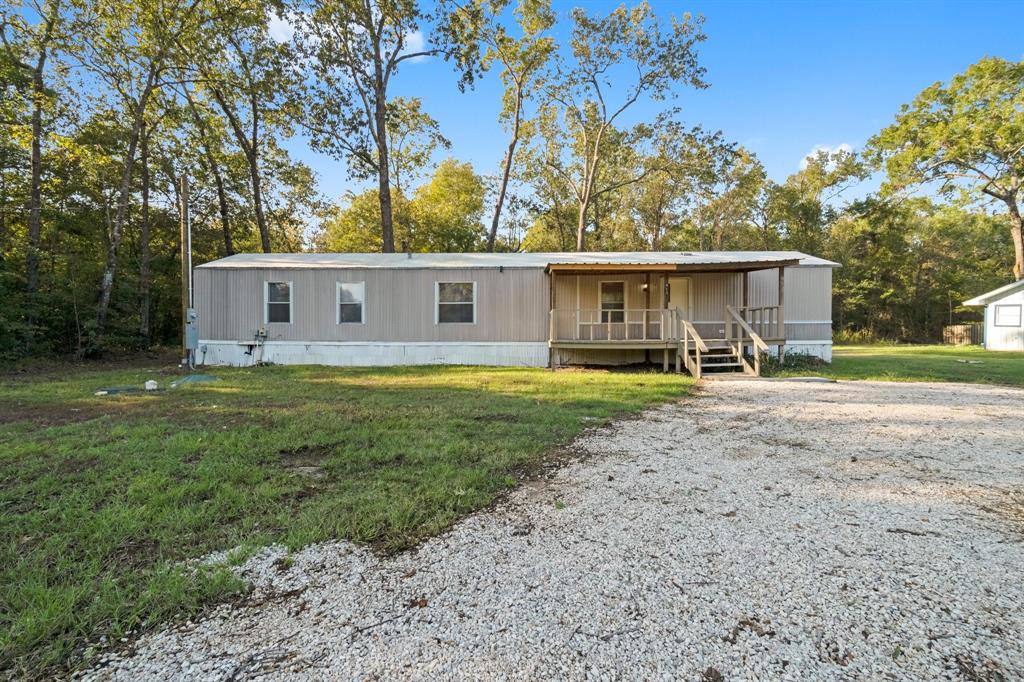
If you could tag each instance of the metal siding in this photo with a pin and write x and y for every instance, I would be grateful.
(511, 305)
(808, 292)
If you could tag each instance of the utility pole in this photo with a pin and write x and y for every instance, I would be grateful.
(186, 264)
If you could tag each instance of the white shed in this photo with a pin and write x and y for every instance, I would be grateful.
(1004, 316)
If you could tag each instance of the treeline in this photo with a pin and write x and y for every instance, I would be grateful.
(105, 105)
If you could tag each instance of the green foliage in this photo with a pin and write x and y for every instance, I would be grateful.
(908, 266)
(963, 137)
(152, 481)
(444, 215)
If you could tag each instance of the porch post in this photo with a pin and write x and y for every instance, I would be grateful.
(781, 329)
(551, 323)
(746, 302)
(647, 307)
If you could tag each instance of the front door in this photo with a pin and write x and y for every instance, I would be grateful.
(679, 295)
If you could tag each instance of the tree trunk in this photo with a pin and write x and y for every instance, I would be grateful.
(144, 293)
(117, 229)
(383, 174)
(506, 171)
(257, 203)
(222, 200)
(1017, 232)
(35, 200)
(35, 191)
(581, 226)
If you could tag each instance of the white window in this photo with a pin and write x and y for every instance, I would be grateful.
(613, 301)
(277, 297)
(1007, 315)
(455, 302)
(351, 296)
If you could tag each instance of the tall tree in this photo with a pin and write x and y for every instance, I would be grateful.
(354, 49)
(964, 135)
(29, 52)
(251, 84)
(131, 54)
(351, 52)
(617, 61)
(521, 61)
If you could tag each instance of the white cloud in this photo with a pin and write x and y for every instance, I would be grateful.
(831, 149)
(281, 29)
(414, 42)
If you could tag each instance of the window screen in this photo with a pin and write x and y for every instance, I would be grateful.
(350, 301)
(279, 302)
(456, 302)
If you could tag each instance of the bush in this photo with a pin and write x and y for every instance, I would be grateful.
(772, 366)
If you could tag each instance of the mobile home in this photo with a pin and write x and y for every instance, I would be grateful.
(691, 310)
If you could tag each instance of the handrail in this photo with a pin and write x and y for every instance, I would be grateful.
(692, 331)
(759, 345)
(693, 365)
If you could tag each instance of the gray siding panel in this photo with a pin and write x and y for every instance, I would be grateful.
(511, 305)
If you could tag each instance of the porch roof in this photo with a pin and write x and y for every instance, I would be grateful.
(681, 261)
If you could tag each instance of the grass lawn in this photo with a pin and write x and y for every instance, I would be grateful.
(101, 498)
(919, 363)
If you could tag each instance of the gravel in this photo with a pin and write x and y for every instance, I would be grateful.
(757, 530)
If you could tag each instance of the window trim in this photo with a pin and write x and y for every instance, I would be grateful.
(337, 303)
(266, 301)
(600, 296)
(437, 301)
(995, 315)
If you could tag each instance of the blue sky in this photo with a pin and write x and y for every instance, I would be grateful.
(785, 77)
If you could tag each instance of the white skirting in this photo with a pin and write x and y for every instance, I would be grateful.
(818, 349)
(373, 354)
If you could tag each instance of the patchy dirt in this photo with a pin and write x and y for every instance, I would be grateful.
(760, 530)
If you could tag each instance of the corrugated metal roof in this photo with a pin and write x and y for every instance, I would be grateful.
(996, 294)
(508, 260)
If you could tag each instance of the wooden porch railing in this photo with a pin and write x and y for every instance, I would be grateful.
(739, 334)
(766, 321)
(641, 324)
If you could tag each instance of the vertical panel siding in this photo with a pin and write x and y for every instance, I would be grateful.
(511, 305)
(808, 292)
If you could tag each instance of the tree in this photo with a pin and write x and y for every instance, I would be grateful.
(447, 212)
(413, 138)
(352, 50)
(965, 135)
(28, 53)
(131, 56)
(521, 62)
(630, 52)
(252, 87)
(444, 215)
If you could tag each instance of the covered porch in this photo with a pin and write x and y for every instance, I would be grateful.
(701, 316)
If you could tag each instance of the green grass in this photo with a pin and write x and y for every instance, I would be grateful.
(101, 498)
(880, 362)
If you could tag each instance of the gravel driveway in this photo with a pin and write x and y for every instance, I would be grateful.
(758, 530)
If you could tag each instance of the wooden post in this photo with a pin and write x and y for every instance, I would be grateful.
(186, 258)
(551, 324)
(781, 322)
